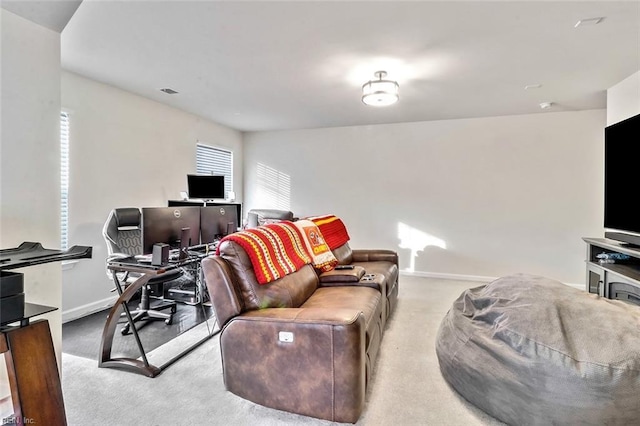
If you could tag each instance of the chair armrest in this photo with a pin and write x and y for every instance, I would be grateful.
(373, 255)
(320, 316)
(308, 361)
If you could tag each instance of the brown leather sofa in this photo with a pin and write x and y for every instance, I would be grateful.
(296, 344)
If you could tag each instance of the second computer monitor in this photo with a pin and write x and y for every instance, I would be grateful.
(217, 222)
(166, 224)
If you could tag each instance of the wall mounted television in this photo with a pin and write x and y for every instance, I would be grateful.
(621, 176)
(205, 187)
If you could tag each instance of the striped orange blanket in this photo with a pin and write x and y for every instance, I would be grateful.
(333, 230)
(275, 250)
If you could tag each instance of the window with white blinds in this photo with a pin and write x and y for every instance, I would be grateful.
(64, 180)
(215, 161)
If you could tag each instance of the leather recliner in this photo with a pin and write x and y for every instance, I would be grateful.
(296, 344)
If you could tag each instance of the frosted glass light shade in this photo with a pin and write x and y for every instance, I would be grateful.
(380, 92)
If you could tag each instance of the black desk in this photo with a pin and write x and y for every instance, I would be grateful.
(32, 310)
(147, 271)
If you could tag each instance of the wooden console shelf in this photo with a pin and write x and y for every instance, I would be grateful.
(619, 280)
(36, 391)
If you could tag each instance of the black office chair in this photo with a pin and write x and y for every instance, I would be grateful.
(123, 234)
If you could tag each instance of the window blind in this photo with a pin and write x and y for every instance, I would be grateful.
(215, 161)
(64, 180)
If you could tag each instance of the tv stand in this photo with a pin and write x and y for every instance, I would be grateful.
(629, 239)
(630, 245)
(619, 280)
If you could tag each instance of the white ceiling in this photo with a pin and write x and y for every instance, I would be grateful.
(52, 14)
(283, 65)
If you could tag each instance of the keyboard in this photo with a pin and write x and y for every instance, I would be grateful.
(174, 255)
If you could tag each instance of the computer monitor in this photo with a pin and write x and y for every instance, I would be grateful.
(206, 187)
(217, 222)
(166, 224)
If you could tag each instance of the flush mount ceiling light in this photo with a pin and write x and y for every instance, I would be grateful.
(380, 92)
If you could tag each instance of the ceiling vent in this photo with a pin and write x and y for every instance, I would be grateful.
(590, 21)
(168, 91)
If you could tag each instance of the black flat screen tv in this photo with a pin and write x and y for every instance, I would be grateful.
(621, 179)
(205, 187)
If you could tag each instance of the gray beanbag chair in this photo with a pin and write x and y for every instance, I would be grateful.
(532, 351)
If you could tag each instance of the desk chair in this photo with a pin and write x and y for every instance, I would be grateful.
(256, 217)
(123, 234)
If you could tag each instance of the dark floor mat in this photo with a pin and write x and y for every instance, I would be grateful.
(82, 337)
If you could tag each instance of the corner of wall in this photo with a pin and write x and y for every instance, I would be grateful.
(623, 99)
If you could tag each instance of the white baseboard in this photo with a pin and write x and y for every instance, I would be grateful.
(459, 277)
(577, 286)
(444, 276)
(88, 309)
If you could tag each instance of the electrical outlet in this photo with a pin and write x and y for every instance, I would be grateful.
(285, 336)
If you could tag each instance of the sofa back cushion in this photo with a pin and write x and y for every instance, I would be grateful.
(343, 254)
(290, 291)
(222, 290)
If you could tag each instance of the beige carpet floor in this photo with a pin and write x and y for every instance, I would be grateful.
(407, 387)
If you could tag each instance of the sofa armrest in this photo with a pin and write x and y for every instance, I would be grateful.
(218, 278)
(310, 361)
(373, 255)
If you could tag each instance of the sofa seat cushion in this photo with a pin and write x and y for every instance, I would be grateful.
(388, 269)
(364, 299)
(530, 350)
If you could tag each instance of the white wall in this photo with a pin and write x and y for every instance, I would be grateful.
(125, 151)
(623, 99)
(30, 153)
(505, 194)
